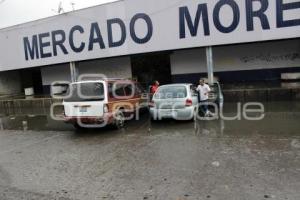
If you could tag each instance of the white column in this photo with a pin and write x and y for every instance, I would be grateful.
(74, 72)
(210, 65)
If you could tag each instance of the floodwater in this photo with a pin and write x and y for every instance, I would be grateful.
(44, 159)
(280, 119)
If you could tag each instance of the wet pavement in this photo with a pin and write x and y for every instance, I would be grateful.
(44, 159)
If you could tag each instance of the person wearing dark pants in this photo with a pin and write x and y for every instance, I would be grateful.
(203, 90)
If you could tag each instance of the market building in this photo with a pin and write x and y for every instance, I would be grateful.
(169, 41)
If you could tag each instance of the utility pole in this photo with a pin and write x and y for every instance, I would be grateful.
(73, 5)
(74, 72)
(210, 65)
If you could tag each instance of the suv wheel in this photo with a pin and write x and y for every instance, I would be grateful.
(119, 120)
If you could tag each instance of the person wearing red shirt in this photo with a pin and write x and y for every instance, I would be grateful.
(154, 87)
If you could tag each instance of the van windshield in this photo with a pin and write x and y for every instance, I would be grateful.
(90, 91)
(171, 92)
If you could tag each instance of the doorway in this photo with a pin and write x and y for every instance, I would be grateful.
(149, 67)
(32, 78)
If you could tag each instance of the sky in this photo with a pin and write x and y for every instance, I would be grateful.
(13, 12)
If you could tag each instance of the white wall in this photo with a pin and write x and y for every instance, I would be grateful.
(10, 83)
(111, 68)
(275, 54)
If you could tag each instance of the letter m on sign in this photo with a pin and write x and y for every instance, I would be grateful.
(185, 17)
(31, 48)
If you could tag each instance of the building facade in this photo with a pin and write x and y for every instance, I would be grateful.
(154, 40)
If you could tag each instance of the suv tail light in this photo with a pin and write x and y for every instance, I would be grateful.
(105, 108)
(188, 102)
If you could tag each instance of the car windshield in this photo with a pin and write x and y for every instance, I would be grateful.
(171, 92)
(90, 91)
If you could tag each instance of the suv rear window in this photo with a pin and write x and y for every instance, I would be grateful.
(171, 92)
(90, 91)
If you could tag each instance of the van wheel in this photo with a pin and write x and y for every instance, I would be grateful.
(119, 120)
(77, 126)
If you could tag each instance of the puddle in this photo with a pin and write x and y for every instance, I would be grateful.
(281, 119)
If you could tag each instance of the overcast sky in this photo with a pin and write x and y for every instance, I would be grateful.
(14, 12)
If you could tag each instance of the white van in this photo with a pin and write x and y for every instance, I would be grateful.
(102, 102)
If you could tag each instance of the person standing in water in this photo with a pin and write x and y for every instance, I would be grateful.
(203, 90)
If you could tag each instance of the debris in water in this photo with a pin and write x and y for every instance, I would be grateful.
(268, 196)
(215, 164)
(295, 143)
(25, 125)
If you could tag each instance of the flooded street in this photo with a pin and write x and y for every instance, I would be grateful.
(90, 92)
(44, 159)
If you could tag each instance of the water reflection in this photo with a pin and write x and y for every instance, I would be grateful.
(278, 124)
(212, 128)
(281, 120)
(32, 122)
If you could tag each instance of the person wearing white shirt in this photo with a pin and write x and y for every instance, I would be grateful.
(203, 90)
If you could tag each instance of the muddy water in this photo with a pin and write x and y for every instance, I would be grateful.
(216, 159)
(281, 119)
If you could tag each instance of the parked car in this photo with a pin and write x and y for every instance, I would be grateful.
(102, 102)
(177, 101)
